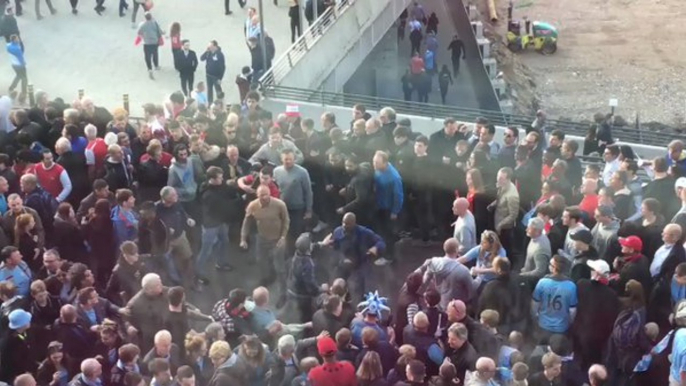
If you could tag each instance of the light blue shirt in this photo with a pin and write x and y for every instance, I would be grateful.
(659, 259)
(486, 262)
(20, 276)
(555, 298)
(678, 355)
(678, 291)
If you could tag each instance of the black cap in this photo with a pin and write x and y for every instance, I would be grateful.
(583, 235)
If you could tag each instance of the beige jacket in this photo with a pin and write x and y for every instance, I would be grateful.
(506, 207)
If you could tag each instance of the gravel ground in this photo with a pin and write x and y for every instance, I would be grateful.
(66, 53)
(632, 50)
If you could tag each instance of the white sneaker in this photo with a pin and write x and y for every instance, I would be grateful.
(381, 262)
(320, 227)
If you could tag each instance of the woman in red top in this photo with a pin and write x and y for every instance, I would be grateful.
(175, 36)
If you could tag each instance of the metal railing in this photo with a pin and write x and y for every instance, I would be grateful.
(302, 45)
(620, 133)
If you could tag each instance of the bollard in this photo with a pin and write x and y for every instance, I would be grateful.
(81, 93)
(32, 96)
(126, 103)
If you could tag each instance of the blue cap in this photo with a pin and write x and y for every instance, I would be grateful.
(19, 319)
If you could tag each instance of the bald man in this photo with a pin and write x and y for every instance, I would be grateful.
(358, 246)
(465, 226)
(452, 278)
(76, 338)
(271, 217)
(484, 342)
(484, 373)
(670, 254)
(597, 375)
(425, 343)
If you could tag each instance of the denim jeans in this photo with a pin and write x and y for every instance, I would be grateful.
(213, 239)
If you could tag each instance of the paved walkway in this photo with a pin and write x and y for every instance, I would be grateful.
(66, 53)
(461, 93)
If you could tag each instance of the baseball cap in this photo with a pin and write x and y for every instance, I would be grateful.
(632, 242)
(680, 183)
(582, 235)
(606, 211)
(600, 266)
(326, 346)
(19, 319)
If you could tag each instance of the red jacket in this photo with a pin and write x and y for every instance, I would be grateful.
(49, 179)
(333, 374)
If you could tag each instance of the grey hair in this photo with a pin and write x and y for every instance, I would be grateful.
(537, 223)
(166, 192)
(286, 344)
(150, 279)
(63, 143)
(90, 130)
(459, 330)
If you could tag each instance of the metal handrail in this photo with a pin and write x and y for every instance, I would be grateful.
(282, 66)
(621, 133)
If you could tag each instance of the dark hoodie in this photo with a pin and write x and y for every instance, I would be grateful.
(220, 204)
(636, 267)
(214, 63)
(301, 280)
(580, 270)
(117, 174)
(359, 193)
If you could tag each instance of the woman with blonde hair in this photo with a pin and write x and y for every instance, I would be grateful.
(484, 254)
(370, 372)
(26, 239)
(196, 357)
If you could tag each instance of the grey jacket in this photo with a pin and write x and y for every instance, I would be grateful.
(537, 257)
(453, 280)
(603, 236)
(150, 32)
(273, 154)
(506, 207)
(184, 178)
(295, 186)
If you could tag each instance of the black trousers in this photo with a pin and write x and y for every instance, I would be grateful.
(212, 83)
(423, 212)
(385, 227)
(187, 79)
(74, 4)
(415, 43)
(444, 92)
(295, 23)
(151, 55)
(456, 65)
(50, 7)
(227, 7)
(20, 75)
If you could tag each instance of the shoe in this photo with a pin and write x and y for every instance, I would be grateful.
(203, 281)
(196, 288)
(53, 11)
(75, 11)
(122, 14)
(225, 268)
(39, 17)
(151, 75)
(381, 262)
(157, 68)
(228, 13)
(320, 227)
(98, 11)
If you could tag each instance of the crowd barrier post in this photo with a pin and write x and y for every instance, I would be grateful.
(32, 96)
(126, 103)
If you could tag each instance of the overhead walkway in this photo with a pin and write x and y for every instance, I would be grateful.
(327, 54)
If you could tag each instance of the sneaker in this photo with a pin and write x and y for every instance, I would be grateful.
(225, 268)
(381, 262)
(98, 11)
(157, 68)
(151, 75)
(320, 227)
(53, 11)
(75, 11)
(39, 17)
(203, 281)
(228, 13)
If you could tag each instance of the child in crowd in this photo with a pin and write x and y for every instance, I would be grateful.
(200, 94)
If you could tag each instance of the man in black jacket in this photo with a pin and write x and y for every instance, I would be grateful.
(220, 202)
(359, 193)
(186, 62)
(214, 69)
(505, 296)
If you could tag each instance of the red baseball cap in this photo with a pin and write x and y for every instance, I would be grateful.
(326, 346)
(632, 242)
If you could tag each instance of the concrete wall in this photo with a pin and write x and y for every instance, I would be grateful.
(424, 125)
(335, 56)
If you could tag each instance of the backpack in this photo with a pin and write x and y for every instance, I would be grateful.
(270, 48)
(48, 203)
(626, 331)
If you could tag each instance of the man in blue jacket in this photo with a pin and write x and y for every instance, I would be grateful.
(358, 245)
(214, 69)
(389, 201)
(16, 51)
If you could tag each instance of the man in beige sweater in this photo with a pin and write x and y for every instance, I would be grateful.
(270, 216)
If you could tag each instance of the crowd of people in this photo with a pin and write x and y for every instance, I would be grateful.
(552, 274)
